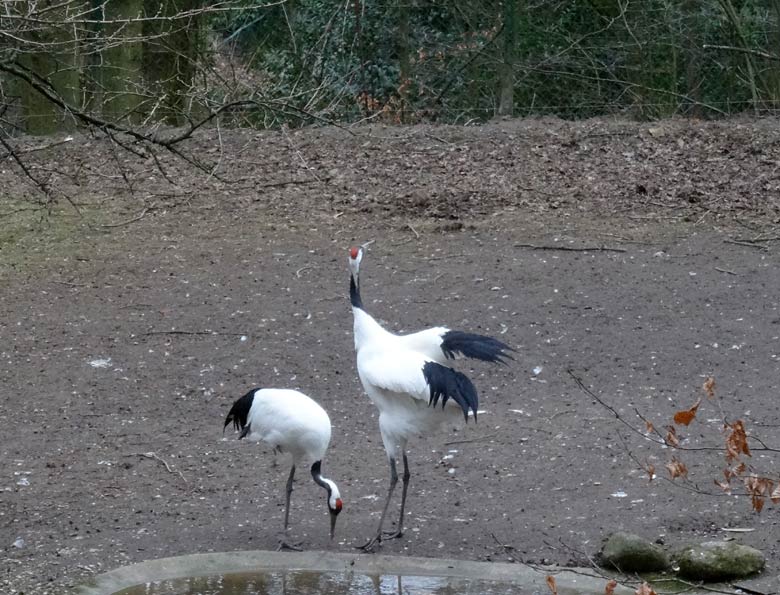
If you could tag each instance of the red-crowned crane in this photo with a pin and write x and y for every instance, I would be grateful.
(294, 423)
(405, 376)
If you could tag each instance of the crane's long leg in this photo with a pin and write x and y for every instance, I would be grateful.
(369, 545)
(400, 531)
(283, 545)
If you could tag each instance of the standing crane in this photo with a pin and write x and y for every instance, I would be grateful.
(406, 377)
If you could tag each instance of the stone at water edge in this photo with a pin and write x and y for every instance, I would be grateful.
(719, 561)
(630, 553)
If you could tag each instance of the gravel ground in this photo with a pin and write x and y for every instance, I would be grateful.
(639, 259)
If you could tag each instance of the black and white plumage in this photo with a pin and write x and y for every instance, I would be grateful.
(292, 423)
(406, 377)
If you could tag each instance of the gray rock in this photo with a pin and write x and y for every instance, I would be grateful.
(719, 561)
(630, 553)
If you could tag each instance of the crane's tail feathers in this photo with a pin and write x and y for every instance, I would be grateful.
(239, 413)
(446, 383)
(475, 346)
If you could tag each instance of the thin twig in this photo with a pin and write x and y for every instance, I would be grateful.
(728, 272)
(155, 456)
(209, 333)
(750, 51)
(469, 440)
(128, 221)
(650, 438)
(571, 248)
(303, 268)
(290, 182)
(749, 244)
(42, 186)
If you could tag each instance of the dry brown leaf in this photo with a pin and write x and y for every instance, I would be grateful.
(551, 584)
(650, 470)
(676, 468)
(724, 485)
(671, 437)
(650, 427)
(709, 387)
(736, 441)
(775, 495)
(610, 588)
(645, 589)
(757, 502)
(759, 486)
(686, 416)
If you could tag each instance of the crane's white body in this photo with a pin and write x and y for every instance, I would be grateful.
(390, 368)
(290, 421)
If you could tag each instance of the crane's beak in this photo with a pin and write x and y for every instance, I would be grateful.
(333, 515)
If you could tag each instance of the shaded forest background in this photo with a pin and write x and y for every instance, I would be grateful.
(131, 66)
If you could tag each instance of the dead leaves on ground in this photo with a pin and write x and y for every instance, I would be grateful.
(758, 487)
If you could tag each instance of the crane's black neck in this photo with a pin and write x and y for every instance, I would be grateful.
(354, 292)
(316, 473)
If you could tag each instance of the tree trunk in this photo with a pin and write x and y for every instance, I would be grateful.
(170, 52)
(733, 16)
(404, 59)
(506, 75)
(120, 76)
(775, 49)
(58, 65)
(692, 47)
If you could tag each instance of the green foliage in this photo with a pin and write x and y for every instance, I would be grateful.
(576, 59)
(302, 61)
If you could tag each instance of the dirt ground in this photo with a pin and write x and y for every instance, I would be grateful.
(640, 258)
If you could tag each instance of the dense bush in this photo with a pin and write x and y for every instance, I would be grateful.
(416, 59)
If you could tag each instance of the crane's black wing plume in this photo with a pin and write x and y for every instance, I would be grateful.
(239, 412)
(475, 346)
(446, 383)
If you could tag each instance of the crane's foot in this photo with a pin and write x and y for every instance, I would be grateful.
(371, 544)
(285, 546)
(377, 540)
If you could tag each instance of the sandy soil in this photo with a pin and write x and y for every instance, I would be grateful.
(638, 258)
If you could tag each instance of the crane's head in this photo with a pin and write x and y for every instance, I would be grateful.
(355, 256)
(334, 497)
(334, 505)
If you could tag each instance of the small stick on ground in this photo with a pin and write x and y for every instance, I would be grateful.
(209, 333)
(469, 440)
(156, 457)
(129, 221)
(728, 272)
(571, 248)
(409, 225)
(745, 243)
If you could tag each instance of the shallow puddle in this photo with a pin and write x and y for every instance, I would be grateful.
(320, 583)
